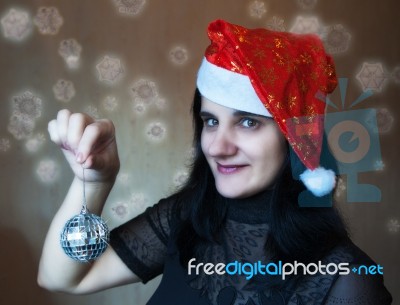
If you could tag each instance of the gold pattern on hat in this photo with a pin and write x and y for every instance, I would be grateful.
(314, 75)
(310, 111)
(238, 30)
(268, 76)
(316, 48)
(236, 67)
(329, 70)
(259, 54)
(280, 60)
(291, 101)
(250, 65)
(271, 98)
(278, 43)
(279, 105)
(306, 58)
(303, 86)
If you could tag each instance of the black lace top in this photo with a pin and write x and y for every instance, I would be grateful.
(146, 246)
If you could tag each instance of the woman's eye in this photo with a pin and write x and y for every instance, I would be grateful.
(210, 122)
(249, 123)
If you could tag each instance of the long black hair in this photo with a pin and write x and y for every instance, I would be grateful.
(296, 233)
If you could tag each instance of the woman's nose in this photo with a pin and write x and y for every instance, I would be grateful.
(222, 144)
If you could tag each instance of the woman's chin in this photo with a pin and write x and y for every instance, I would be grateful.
(233, 192)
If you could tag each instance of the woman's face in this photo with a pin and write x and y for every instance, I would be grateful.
(245, 151)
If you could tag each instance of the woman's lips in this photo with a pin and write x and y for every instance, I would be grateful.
(229, 169)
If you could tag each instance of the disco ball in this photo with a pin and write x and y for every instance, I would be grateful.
(85, 237)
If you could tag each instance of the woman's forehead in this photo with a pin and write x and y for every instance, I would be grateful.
(212, 107)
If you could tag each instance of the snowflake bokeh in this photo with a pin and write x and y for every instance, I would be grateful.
(27, 105)
(393, 225)
(340, 187)
(130, 7)
(144, 91)
(191, 153)
(34, 143)
(276, 24)
(336, 39)
(139, 108)
(307, 4)
(120, 210)
(48, 20)
(26, 108)
(306, 25)
(156, 131)
(64, 90)
(384, 120)
(70, 50)
(372, 76)
(178, 55)
(180, 178)
(93, 111)
(123, 178)
(5, 144)
(21, 127)
(161, 103)
(109, 69)
(379, 165)
(257, 9)
(138, 202)
(47, 171)
(16, 24)
(110, 103)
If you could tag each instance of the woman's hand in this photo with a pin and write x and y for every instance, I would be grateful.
(86, 142)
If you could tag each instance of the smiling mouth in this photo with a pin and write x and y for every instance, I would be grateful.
(229, 169)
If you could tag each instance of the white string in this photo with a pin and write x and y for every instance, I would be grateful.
(84, 206)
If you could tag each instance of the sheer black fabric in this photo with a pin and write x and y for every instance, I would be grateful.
(146, 244)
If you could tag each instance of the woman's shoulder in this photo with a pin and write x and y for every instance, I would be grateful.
(360, 279)
(346, 275)
(348, 252)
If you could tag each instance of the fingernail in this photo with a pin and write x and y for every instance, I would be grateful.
(79, 157)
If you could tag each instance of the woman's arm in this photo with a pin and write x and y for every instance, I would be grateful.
(89, 143)
(58, 272)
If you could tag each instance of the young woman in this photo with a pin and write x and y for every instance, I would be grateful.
(235, 233)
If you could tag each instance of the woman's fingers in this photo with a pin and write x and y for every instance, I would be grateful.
(68, 128)
(53, 132)
(77, 124)
(62, 126)
(96, 137)
(88, 142)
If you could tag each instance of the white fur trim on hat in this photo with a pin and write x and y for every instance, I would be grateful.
(319, 181)
(229, 89)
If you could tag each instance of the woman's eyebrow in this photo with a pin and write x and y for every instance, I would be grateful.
(249, 114)
(206, 114)
(236, 113)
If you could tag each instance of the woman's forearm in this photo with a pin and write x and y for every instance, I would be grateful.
(56, 270)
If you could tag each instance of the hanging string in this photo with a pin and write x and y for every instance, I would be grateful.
(84, 206)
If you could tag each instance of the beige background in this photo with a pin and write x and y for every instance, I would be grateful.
(34, 176)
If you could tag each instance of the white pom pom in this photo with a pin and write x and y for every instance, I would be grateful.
(319, 181)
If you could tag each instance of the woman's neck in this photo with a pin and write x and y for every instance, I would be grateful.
(252, 210)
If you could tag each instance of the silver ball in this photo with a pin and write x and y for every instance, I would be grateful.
(85, 237)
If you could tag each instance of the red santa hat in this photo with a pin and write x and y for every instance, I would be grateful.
(275, 74)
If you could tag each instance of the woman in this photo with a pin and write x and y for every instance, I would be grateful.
(234, 233)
